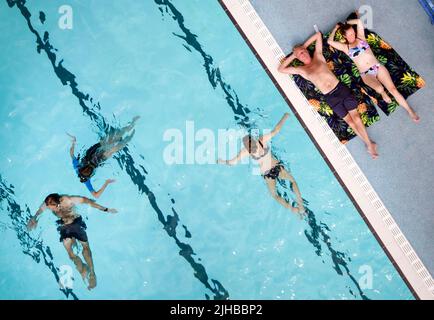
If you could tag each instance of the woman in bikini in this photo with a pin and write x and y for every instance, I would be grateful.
(98, 153)
(270, 167)
(372, 72)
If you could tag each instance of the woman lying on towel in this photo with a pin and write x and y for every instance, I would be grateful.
(372, 72)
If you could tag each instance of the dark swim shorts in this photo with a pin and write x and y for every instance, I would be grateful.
(341, 100)
(76, 230)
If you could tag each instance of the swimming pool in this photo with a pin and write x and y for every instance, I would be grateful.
(183, 231)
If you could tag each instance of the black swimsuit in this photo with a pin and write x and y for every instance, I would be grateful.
(274, 172)
(94, 156)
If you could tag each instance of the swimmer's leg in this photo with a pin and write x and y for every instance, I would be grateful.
(271, 184)
(372, 81)
(87, 255)
(81, 267)
(386, 80)
(283, 174)
(116, 135)
(119, 146)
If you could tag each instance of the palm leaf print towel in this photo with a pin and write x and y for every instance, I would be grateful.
(405, 78)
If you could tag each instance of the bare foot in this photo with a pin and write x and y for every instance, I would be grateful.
(372, 150)
(414, 116)
(82, 268)
(386, 98)
(132, 124)
(84, 271)
(302, 213)
(135, 119)
(92, 280)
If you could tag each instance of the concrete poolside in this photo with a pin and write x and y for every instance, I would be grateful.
(403, 176)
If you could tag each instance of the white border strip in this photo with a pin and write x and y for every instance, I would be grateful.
(368, 200)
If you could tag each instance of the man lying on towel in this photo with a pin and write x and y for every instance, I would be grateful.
(337, 95)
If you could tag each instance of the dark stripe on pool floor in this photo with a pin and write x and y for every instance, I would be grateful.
(125, 160)
(32, 247)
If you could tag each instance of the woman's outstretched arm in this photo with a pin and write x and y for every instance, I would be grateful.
(267, 137)
(98, 193)
(336, 44)
(360, 28)
(243, 153)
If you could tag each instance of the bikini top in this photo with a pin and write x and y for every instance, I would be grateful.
(359, 49)
(266, 150)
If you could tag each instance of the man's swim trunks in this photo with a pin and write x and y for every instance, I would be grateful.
(341, 100)
(76, 230)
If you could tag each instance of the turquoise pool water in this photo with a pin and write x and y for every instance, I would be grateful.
(182, 231)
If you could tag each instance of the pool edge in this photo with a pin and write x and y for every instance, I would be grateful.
(341, 163)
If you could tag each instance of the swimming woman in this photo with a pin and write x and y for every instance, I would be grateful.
(98, 153)
(271, 169)
(372, 72)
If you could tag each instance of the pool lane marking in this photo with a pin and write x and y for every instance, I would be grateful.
(68, 78)
(336, 155)
(317, 233)
(32, 247)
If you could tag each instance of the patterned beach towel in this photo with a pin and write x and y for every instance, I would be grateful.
(406, 80)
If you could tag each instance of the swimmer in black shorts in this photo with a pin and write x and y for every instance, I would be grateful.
(71, 228)
(340, 98)
(270, 167)
(98, 153)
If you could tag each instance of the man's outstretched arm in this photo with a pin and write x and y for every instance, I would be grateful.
(33, 222)
(317, 37)
(84, 200)
(285, 68)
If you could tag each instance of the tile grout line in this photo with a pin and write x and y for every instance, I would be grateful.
(262, 33)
